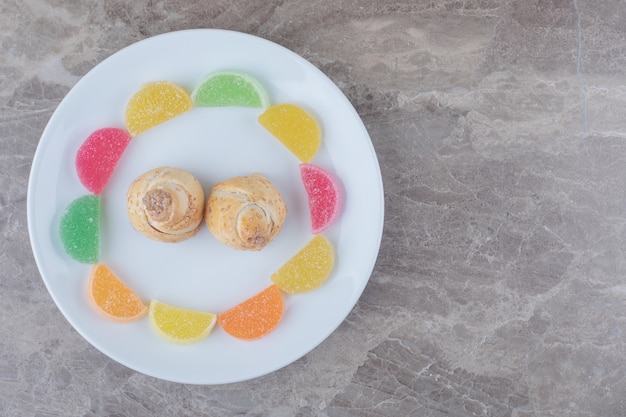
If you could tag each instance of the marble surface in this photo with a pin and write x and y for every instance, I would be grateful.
(500, 287)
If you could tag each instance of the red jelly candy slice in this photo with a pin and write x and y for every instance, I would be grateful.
(98, 156)
(324, 196)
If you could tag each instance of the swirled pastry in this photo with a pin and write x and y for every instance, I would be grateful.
(166, 204)
(245, 212)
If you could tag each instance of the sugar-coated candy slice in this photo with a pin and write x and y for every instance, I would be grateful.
(295, 128)
(154, 104)
(255, 317)
(230, 88)
(324, 196)
(308, 269)
(111, 298)
(98, 156)
(180, 325)
(80, 229)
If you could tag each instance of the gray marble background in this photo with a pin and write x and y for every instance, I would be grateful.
(500, 288)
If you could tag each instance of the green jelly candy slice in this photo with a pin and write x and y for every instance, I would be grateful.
(230, 88)
(80, 229)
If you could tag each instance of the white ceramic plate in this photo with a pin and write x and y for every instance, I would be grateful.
(213, 144)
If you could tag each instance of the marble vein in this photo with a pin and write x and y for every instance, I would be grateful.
(581, 76)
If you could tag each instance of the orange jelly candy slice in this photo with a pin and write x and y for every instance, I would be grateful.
(111, 298)
(154, 104)
(295, 128)
(255, 317)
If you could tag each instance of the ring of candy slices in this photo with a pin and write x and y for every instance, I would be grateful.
(156, 103)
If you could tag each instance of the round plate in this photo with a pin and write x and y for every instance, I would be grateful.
(213, 144)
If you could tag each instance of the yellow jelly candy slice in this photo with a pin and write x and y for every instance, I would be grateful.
(308, 269)
(295, 128)
(154, 104)
(179, 325)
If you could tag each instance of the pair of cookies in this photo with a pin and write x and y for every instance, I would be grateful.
(168, 204)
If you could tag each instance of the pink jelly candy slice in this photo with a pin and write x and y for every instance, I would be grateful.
(324, 196)
(98, 156)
